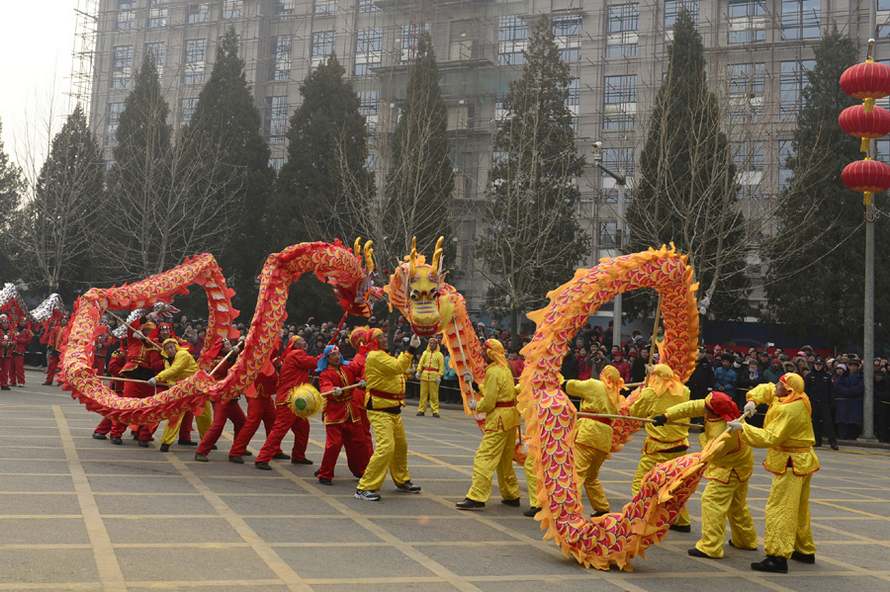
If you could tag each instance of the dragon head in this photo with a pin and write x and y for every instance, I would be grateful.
(416, 287)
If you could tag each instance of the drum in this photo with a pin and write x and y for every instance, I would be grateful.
(305, 401)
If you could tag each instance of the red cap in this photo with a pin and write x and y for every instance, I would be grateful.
(722, 405)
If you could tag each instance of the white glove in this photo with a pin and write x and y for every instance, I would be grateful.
(362, 384)
(338, 391)
(153, 381)
(138, 334)
(468, 378)
(472, 403)
(735, 425)
(417, 375)
(415, 341)
(438, 379)
(750, 409)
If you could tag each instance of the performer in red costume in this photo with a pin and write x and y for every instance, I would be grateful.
(7, 347)
(143, 361)
(53, 341)
(115, 428)
(295, 369)
(104, 342)
(23, 338)
(260, 408)
(342, 420)
(222, 410)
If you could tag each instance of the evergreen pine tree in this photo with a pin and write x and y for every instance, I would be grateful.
(687, 190)
(818, 282)
(420, 182)
(532, 240)
(227, 121)
(12, 186)
(326, 164)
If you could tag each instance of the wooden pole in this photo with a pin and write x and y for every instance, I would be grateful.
(652, 342)
(122, 379)
(585, 415)
(130, 327)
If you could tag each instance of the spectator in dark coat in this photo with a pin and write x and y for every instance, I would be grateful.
(725, 376)
(818, 388)
(848, 392)
(702, 378)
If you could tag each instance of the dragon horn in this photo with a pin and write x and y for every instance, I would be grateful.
(437, 255)
(413, 257)
(369, 256)
(357, 247)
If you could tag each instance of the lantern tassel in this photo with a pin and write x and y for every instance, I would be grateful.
(864, 145)
(867, 198)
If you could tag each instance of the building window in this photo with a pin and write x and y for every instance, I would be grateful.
(883, 5)
(325, 7)
(512, 40)
(786, 151)
(112, 119)
(747, 21)
(367, 6)
(121, 66)
(567, 35)
(158, 52)
(622, 38)
(746, 83)
(792, 80)
(322, 46)
(368, 106)
(750, 160)
(157, 14)
(187, 108)
(371, 161)
(277, 164)
(285, 7)
(621, 162)
(573, 102)
(608, 234)
(232, 9)
(408, 39)
(800, 19)
(619, 102)
(198, 13)
(126, 15)
(368, 50)
(672, 9)
(276, 119)
(500, 109)
(281, 60)
(195, 61)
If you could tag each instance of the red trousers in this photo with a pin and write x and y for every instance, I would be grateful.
(222, 411)
(18, 362)
(259, 409)
(358, 450)
(51, 367)
(286, 421)
(140, 391)
(7, 375)
(115, 428)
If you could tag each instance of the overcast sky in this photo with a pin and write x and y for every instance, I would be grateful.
(36, 40)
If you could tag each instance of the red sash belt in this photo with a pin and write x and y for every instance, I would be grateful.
(388, 396)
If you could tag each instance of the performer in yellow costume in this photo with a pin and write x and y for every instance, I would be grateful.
(430, 370)
(788, 434)
(663, 390)
(726, 494)
(495, 452)
(592, 445)
(384, 398)
(179, 365)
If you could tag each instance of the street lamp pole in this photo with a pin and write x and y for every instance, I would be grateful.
(621, 181)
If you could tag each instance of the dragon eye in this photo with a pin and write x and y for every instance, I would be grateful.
(434, 292)
(413, 295)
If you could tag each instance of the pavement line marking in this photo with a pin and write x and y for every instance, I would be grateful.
(109, 569)
(43, 546)
(285, 572)
(55, 586)
(39, 516)
(181, 584)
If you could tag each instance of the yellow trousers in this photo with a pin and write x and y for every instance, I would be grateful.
(390, 451)
(788, 516)
(171, 432)
(495, 454)
(647, 462)
(587, 467)
(719, 502)
(429, 390)
(531, 479)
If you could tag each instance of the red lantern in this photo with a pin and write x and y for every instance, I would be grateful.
(868, 80)
(858, 122)
(866, 176)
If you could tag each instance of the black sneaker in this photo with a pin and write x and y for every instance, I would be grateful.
(421, 414)
(117, 441)
(263, 466)
(300, 461)
(513, 503)
(408, 487)
(368, 496)
(694, 552)
(236, 459)
(98, 436)
(681, 527)
(469, 504)
(165, 448)
(435, 414)
(201, 457)
(249, 453)
(143, 444)
(771, 564)
(325, 482)
(531, 512)
(809, 558)
(279, 456)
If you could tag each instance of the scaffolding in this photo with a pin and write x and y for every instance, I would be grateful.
(86, 25)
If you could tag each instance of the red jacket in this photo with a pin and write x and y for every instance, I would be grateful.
(295, 371)
(23, 340)
(347, 406)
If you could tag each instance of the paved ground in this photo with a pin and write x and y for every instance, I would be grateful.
(80, 514)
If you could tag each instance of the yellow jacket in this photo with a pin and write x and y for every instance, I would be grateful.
(594, 399)
(787, 432)
(182, 367)
(735, 456)
(431, 365)
(659, 439)
(497, 387)
(385, 374)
